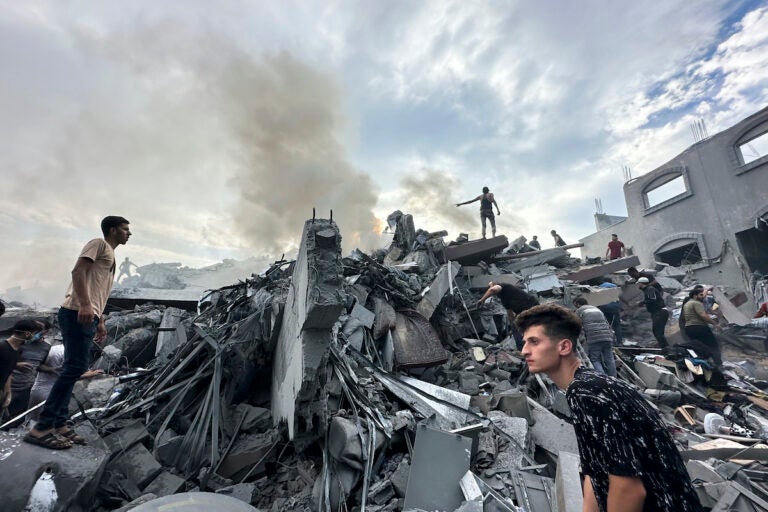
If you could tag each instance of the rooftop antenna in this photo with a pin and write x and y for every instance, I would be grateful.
(699, 130)
(627, 171)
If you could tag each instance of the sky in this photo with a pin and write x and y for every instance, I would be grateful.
(217, 130)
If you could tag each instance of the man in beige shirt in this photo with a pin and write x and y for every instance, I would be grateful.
(81, 320)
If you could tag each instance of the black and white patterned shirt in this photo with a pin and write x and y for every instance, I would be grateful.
(619, 433)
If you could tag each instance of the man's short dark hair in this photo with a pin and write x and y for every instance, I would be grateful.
(112, 221)
(27, 326)
(558, 322)
(632, 271)
(614, 234)
(485, 190)
(580, 301)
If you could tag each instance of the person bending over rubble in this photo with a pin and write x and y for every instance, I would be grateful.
(653, 299)
(487, 202)
(81, 321)
(598, 337)
(629, 460)
(696, 320)
(514, 300)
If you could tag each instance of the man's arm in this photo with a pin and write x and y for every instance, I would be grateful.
(80, 273)
(590, 502)
(607, 251)
(623, 253)
(7, 393)
(705, 317)
(471, 201)
(492, 290)
(625, 494)
(47, 369)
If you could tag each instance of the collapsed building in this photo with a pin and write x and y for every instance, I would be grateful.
(705, 211)
(377, 382)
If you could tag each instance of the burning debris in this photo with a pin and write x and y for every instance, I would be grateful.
(380, 382)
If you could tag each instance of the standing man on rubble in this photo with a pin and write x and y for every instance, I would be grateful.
(125, 268)
(535, 243)
(559, 242)
(487, 202)
(81, 319)
(653, 299)
(615, 248)
(514, 300)
(614, 424)
(598, 337)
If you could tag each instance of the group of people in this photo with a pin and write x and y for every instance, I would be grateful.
(487, 203)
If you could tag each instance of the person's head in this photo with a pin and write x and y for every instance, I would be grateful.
(643, 282)
(633, 272)
(698, 292)
(550, 332)
(580, 301)
(27, 329)
(126, 258)
(614, 237)
(486, 190)
(553, 233)
(535, 237)
(116, 228)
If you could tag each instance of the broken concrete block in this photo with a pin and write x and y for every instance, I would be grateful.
(246, 492)
(550, 432)
(94, 392)
(138, 465)
(655, 376)
(587, 273)
(381, 492)
(170, 334)
(165, 483)
(476, 250)
(246, 451)
(568, 483)
(532, 259)
(602, 296)
(167, 447)
(126, 437)
(439, 286)
(469, 383)
(399, 478)
(481, 281)
(730, 312)
(513, 403)
(517, 428)
(429, 489)
(363, 314)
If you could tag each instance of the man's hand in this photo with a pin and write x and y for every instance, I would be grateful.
(86, 314)
(101, 333)
(458, 204)
(498, 212)
(7, 400)
(24, 365)
(91, 373)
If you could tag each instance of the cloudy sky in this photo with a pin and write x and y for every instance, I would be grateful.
(217, 130)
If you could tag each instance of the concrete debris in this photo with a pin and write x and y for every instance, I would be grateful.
(376, 382)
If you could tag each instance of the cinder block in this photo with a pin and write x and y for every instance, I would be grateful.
(165, 483)
(138, 466)
(654, 376)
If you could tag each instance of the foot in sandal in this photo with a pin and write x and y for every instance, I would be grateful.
(47, 440)
(70, 435)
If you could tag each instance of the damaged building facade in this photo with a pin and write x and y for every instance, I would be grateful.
(706, 210)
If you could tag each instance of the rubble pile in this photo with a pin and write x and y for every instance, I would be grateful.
(378, 382)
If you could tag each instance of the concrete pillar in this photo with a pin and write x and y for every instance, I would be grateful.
(313, 305)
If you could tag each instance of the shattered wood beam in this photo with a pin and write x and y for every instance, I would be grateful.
(504, 257)
(314, 302)
(585, 274)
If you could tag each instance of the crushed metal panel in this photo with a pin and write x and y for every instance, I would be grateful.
(541, 278)
(446, 417)
(440, 461)
(440, 285)
(416, 343)
(534, 493)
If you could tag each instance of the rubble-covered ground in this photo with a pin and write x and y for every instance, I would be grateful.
(377, 382)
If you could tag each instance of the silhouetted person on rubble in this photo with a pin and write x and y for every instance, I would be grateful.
(615, 248)
(628, 458)
(125, 268)
(653, 299)
(81, 320)
(535, 243)
(487, 202)
(696, 323)
(559, 242)
(514, 300)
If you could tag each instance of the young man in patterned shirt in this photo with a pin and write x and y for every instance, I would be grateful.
(629, 460)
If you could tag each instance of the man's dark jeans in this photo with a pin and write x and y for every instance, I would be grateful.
(77, 348)
(612, 312)
(659, 321)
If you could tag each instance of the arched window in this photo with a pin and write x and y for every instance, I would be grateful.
(682, 250)
(667, 187)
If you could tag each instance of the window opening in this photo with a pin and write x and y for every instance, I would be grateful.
(666, 191)
(687, 254)
(754, 149)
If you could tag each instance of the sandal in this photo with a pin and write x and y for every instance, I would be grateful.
(71, 436)
(49, 440)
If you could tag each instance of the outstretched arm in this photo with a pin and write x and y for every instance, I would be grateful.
(493, 289)
(471, 201)
(608, 250)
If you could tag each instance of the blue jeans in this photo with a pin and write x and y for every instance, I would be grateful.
(77, 349)
(601, 355)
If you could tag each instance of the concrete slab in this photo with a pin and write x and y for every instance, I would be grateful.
(76, 472)
(479, 282)
(550, 432)
(439, 286)
(655, 376)
(535, 259)
(127, 437)
(164, 484)
(138, 465)
(432, 489)
(730, 312)
(568, 483)
(587, 273)
(363, 314)
(602, 296)
(476, 250)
